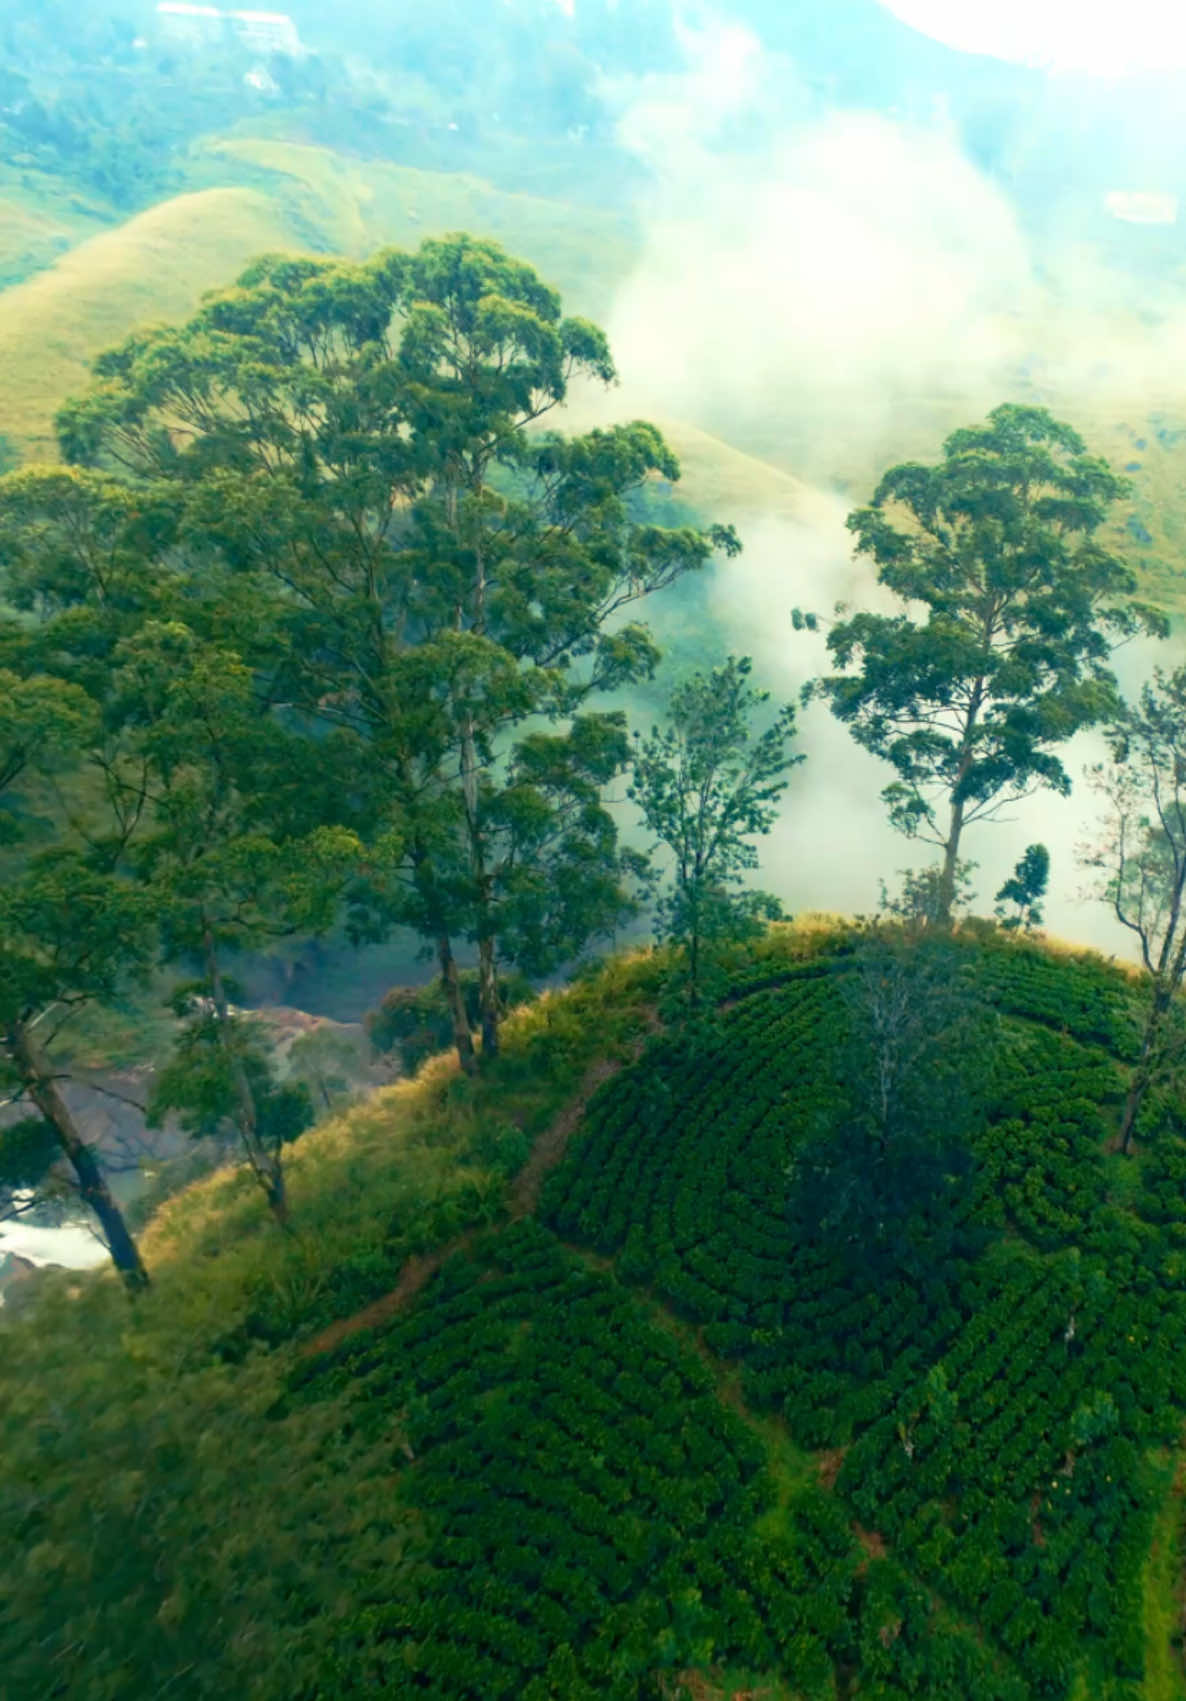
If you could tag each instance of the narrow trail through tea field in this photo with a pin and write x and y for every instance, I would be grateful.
(522, 1198)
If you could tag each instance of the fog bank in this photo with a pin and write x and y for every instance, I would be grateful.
(832, 293)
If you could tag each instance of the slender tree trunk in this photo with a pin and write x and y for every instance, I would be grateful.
(487, 978)
(269, 1171)
(488, 997)
(463, 1038)
(951, 851)
(41, 1087)
(1143, 1073)
(487, 975)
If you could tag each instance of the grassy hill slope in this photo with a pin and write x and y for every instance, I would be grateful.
(352, 206)
(546, 1398)
(40, 219)
(154, 267)
(251, 193)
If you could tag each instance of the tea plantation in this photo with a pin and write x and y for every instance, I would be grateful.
(648, 1435)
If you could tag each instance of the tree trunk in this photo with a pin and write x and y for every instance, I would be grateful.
(487, 979)
(1143, 1073)
(488, 997)
(42, 1089)
(269, 1171)
(951, 851)
(694, 963)
(463, 1039)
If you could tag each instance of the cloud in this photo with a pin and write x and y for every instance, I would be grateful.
(834, 291)
(832, 845)
(808, 286)
(1069, 35)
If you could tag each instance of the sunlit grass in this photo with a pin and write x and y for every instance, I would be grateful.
(154, 267)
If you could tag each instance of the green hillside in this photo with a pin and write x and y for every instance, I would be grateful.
(547, 1397)
(247, 196)
(154, 267)
(352, 206)
(75, 289)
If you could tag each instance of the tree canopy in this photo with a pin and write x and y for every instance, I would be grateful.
(1010, 607)
(412, 569)
(1141, 860)
(707, 785)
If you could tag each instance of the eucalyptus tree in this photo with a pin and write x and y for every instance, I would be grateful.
(234, 843)
(429, 568)
(72, 934)
(1141, 861)
(1010, 607)
(707, 785)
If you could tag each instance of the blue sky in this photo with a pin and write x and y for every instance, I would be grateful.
(1098, 36)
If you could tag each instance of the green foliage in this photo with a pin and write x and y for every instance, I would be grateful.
(919, 901)
(972, 1380)
(328, 1063)
(584, 1494)
(414, 1021)
(1140, 862)
(886, 1183)
(522, 1484)
(28, 1150)
(1025, 890)
(1021, 604)
(68, 934)
(197, 1084)
(386, 543)
(706, 786)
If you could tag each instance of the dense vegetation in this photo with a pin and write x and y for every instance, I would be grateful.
(655, 1429)
(843, 1351)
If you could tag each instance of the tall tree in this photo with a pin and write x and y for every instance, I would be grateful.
(1010, 608)
(1142, 861)
(70, 936)
(707, 785)
(71, 931)
(361, 444)
(234, 844)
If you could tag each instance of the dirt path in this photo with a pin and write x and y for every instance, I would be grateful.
(550, 1147)
(412, 1278)
(522, 1199)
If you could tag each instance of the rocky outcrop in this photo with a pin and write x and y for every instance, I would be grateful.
(18, 1276)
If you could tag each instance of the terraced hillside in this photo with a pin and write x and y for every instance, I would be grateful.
(554, 1394)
